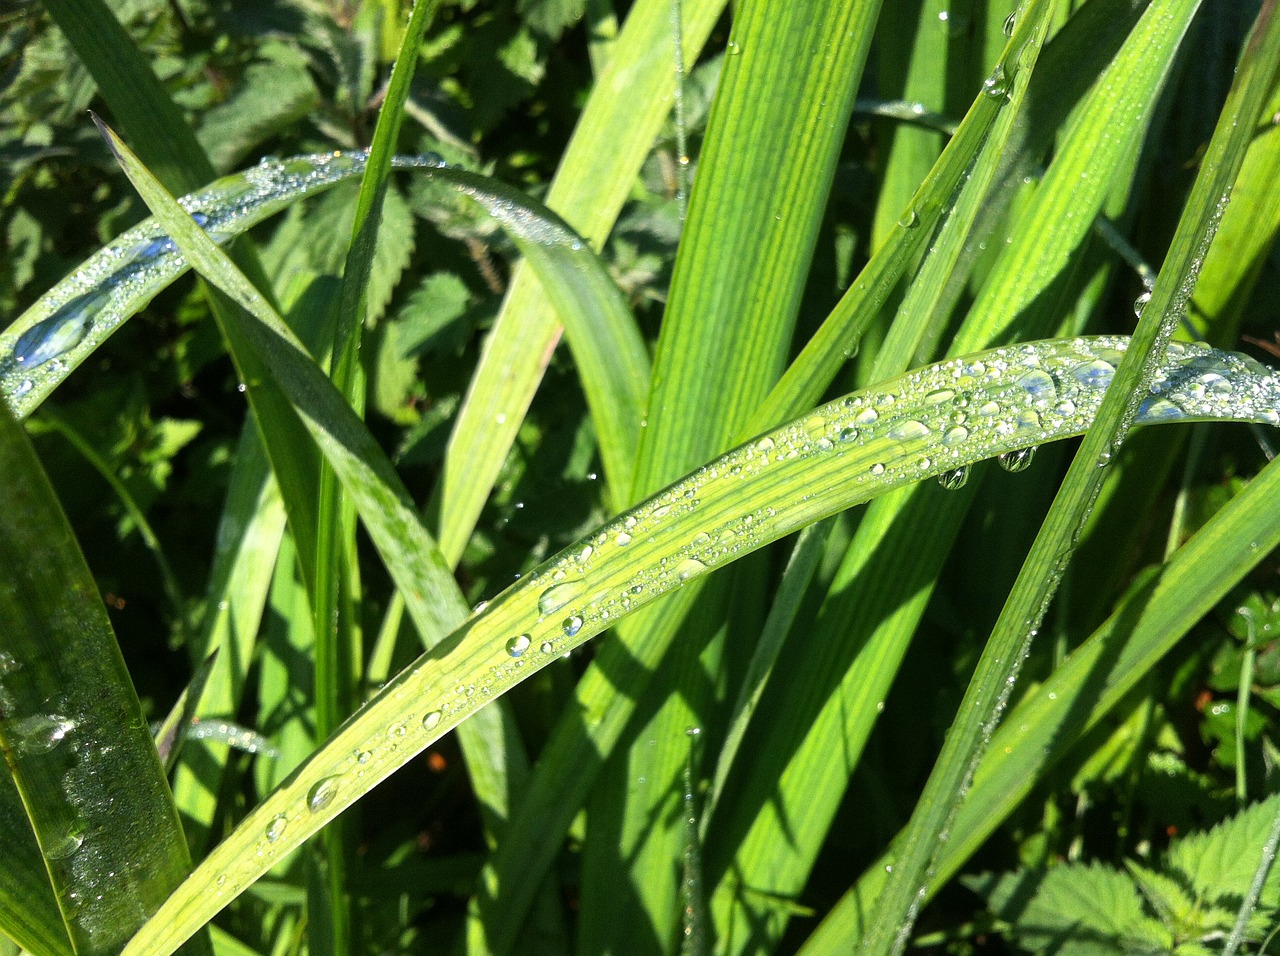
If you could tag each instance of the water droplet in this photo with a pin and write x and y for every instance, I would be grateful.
(395, 731)
(987, 409)
(867, 416)
(480, 607)
(1009, 22)
(558, 595)
(955, 479)
(764, 444)
(1095, 374)
(275, 829)
(1104, 459)
(688, 568)
(62, 847)
(876, 469)
(1140, 303)
(955, 435)
(1016, 461)
(622, 540)
(585, 553)
(547, 647)
(662, 511)
(996, 85)
(848, 433)
(56, 335)
(518, 645)
(909, 219)
(1039, 385)
(40, 734)
(733, 48)
(909, 430)
(322, 794)
(431, 720)
(571, 625)
(938, 396)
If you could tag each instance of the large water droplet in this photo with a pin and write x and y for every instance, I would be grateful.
(40, 734)
(1018, 460)
(55, 335)
(955, 435)
(1039, 385)
(1140, 303)
(66, 845)
(909, 219)
(276, 828)
(688, 568)
(322, 794)
(622, 539)
(1095, 374)
(955, 479)
(558, 595)
(431, 720)
(1009, 22)
(571, 625)
(518, 645)
(909, 430)
(867, 416)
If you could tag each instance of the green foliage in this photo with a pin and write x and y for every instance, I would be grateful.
(320, 479)
(1184, 905)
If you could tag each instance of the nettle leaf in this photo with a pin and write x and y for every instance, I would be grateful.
(1219, 865)
(270, 97)
(1075, 910)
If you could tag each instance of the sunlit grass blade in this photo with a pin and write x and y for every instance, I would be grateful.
(1041, 730)
(29, 914)
(622, 117)
(811, 468)
(73, 733)
(1044, 565)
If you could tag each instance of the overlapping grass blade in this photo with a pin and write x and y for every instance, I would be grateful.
(809, 469)
(1044, 565)
(770, 154)
(1041, 730)
(630, 100)
(73, 733)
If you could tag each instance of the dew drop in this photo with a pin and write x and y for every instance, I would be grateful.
(547, 647)
(275, 829)
(733, 48)
(688, 568)
(66, 845)
(876, 469)
(1140, 303)
(909, 430)
(56, 335)
(987, 409)
(1039, 385)
(322, 794)
(396, 731)
(622, 540)
(363, 757)
(558, 595)
(662, 511)
(1016, 461)
(996, 85)
(431, 720)
(867, 416)
(764, 444)
(909, 219)
(955, 435)
(1008, 25)
(938, 396)
(40, 734)
(571, 625)
(955, 479)
(518, 645)
(848, 433)
(1095, 374)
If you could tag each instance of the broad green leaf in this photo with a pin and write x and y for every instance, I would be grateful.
(74, 737)
(841, 454)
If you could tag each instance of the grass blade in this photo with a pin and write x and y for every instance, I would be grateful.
(73, 734)
(603, 578)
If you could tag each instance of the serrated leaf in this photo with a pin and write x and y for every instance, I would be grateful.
(1220, 864)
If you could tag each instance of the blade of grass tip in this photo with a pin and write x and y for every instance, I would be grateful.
(73, 734)
(768, 161)
(1042, 729)
(896, 908)
(802, 476)
(171, 733)
(337, 654)
(622, 117)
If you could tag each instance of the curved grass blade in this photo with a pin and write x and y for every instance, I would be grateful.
(1043, 727)
(72, 730)
(839, 455)
(48, 341)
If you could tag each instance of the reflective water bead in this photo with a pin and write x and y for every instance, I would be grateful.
(558, 595)
(518, 645)
(571, 625)
(1018, 460)
(955, 479)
